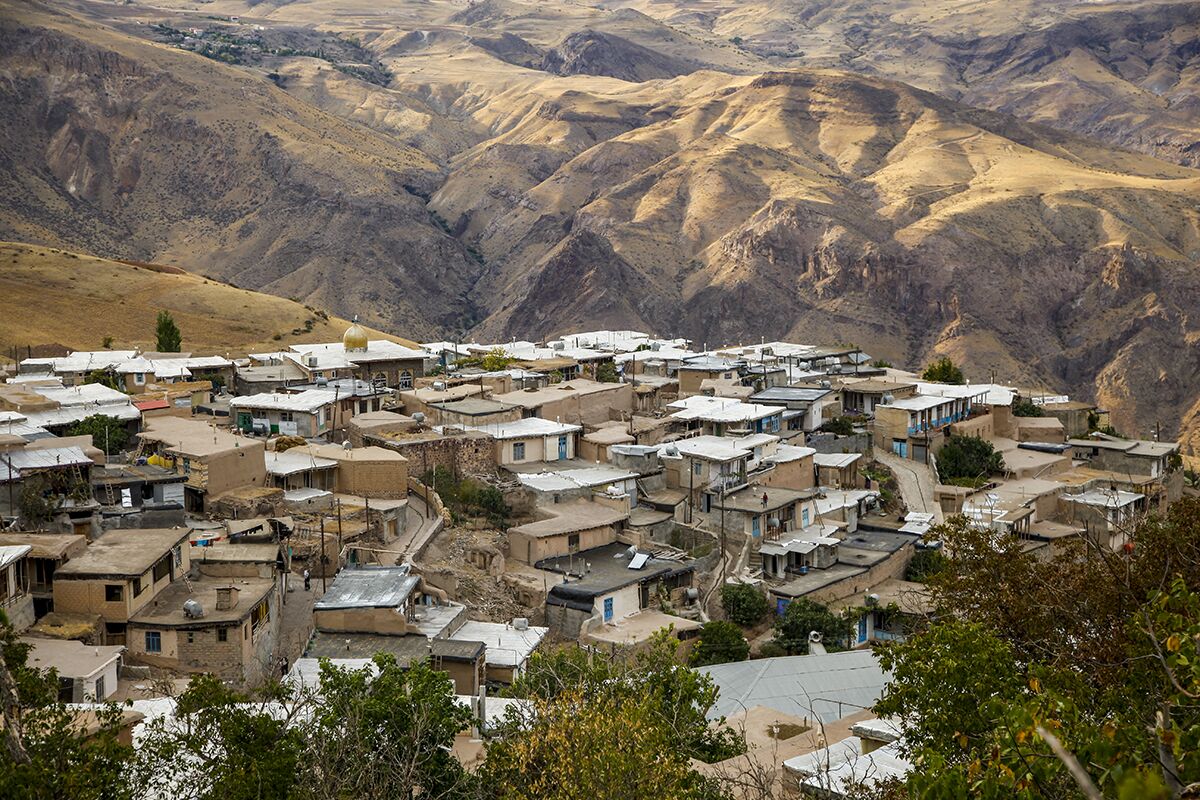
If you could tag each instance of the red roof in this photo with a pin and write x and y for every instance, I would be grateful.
(150, 405)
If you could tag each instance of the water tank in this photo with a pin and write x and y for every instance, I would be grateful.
(655, 347)
(439, 386)
(559, 346)
(418, 417)
(888, 399)
(826, 385)
(321, 381)
(192, 609)
(872, 600)
(814, 636)
(692, 594)
(521, 623)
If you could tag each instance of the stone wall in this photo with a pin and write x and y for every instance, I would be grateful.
(459, 454)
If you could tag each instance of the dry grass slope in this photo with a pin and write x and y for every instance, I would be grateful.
(51, 296)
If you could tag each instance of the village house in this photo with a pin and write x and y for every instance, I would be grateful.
(50, 405)
(509, 646)
(118, 575)
(725, 417)
(582, 402)
(564, 529)
(266, 373)
(378, 361)
(57, 474)
(532, 439)
(754, 511)
(618, 486)
(15, 599)
(912, 427)
(369, 610)
(352, 396)
(225, 626)
(47, 552)
(422, 399)
(361, 471)
(213, 460)
(308, 413)
(838, 470)
(86, 673)
(693, 371)
(76, 367)
(156, 370)
(144, 493)
(609, 584)
(806, 407)
(861, 395)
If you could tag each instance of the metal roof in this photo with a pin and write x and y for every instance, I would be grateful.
(14, 463)
(368, 587)
(825, 687)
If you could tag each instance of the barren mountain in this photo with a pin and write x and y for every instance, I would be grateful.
(717, 170)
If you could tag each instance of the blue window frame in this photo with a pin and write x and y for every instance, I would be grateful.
(608, 609)
(153, 642)
(755, 527)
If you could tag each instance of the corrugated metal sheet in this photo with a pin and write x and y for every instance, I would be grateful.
(825, 687)
(369, 587)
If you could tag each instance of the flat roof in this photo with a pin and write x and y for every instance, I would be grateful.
(536, 397)
(790, 394)
(720, 409)
(578, 515)
(295, 460)
(836, 460)
(750, 499)
(192, 437)
(44, 545)
(407, 649)
(71, 659)
(123, 553)
(368, 587)
(567, 479)
(875, 386)
(604, 569)
(307, 401)
(527, 428)
(166, 609)
(237, 553)
(473, 406)
(506, 646)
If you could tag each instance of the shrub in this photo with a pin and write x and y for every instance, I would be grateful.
(720, 642)
(925, 563)
(1024, 407)
(839, 426)
(744, 604)
(804, 616)
(943, 371)
(968, 457)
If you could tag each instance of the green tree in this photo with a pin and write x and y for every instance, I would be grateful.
(606, 372)
(802, 617)
(496, 360)
(881, 363)
(108, 433)
(744, 604)
(166, 333)
(224, 744)
(968, 458)
(925, 563)
(1024, 407)
(679, 698)
(105, 377)
(47, 752)
(385, 736)
(943, 370)
(841, 426)
(719, 643)
(606, 744)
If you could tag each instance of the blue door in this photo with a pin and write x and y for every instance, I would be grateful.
(755, 527)
(562, 448)
(608, 609)
(862, 629)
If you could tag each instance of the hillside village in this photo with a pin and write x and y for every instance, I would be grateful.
(472, 504)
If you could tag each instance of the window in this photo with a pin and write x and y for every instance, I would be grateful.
(518, 451)
(608, 609)
(113, 592)
(261, 614)
(137, 586)
(287, 416)
(696, 467)
(804, 517)
(191, 637)
(573, 542)
(222, 634)
(162, 569)
(153, 642)
(99, 688)
(139, 378)
(363, 405)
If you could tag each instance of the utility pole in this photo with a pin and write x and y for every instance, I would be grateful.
(724, 553)
(339, 521)
(324, 557)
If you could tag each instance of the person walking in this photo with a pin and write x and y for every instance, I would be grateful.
(307, 580)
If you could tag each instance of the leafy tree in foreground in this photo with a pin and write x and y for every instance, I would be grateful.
(720, 642)
(943, 371)
(802, 617)
(45, 753)
(744, 604)
(167, 337)
(607, 373)
(679, 698)
(1072, 677)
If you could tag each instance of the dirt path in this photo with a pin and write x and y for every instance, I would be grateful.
(916, 483)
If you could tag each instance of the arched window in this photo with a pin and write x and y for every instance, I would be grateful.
(406, 379)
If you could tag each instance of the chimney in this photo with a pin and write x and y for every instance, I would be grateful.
(227, 597)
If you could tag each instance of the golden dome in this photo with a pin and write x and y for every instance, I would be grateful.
(354, 340)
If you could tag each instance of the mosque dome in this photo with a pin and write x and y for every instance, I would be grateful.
(354, 340)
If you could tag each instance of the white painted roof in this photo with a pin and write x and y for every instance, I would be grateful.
(290, 462)
(13, 552)
(307, 401)
(1111, 498)
(720, 409)
(506, 646)
(527, 428)
(836, 460)
(567, 479)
